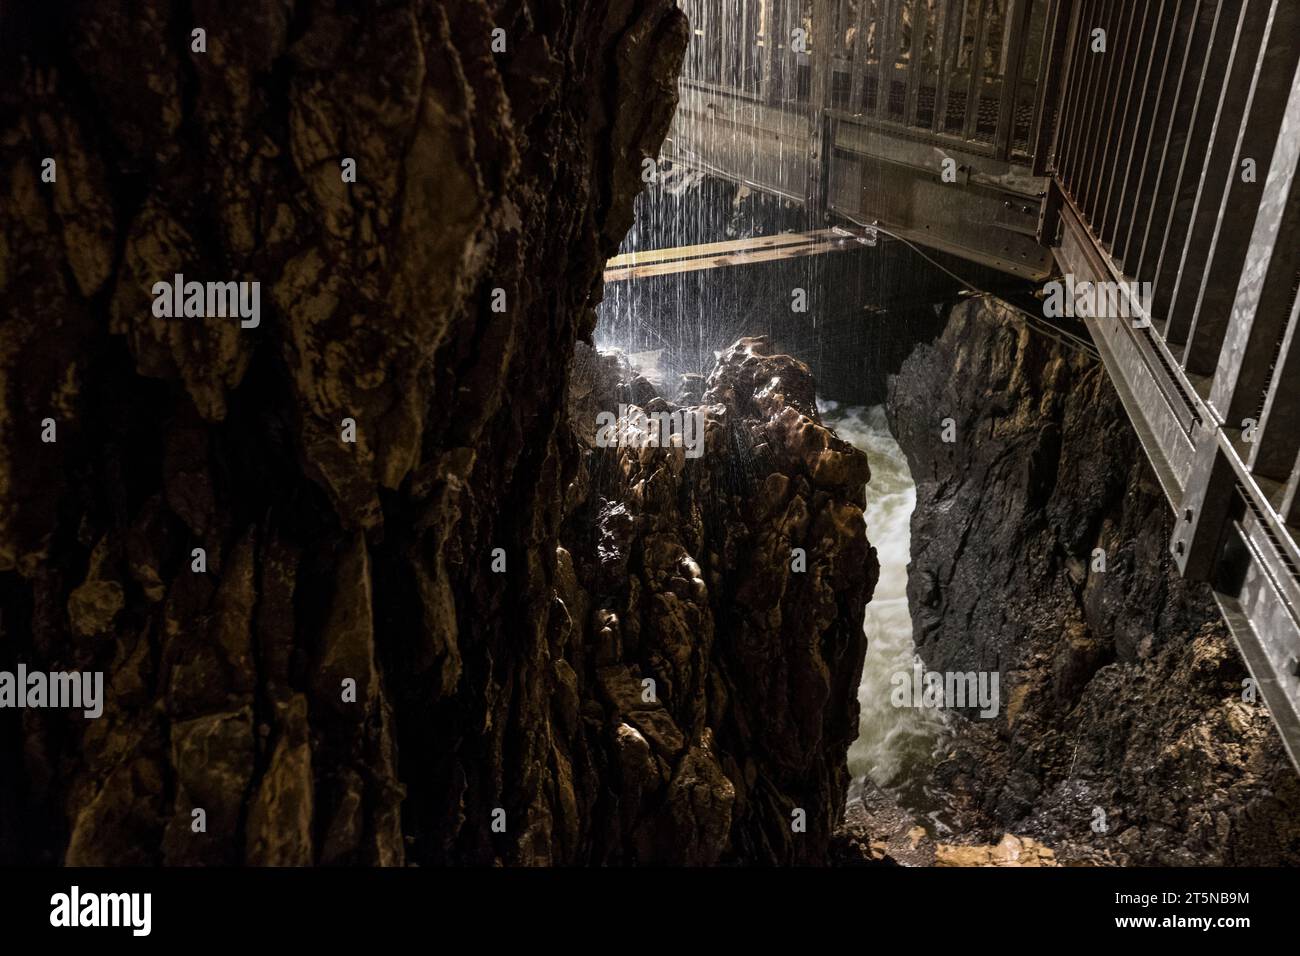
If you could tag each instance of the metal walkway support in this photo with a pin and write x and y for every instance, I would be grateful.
(1152, 145)
(854, 107)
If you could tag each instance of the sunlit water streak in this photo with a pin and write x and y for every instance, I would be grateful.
(896, 745)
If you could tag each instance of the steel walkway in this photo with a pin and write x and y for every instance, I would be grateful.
(1153, 142)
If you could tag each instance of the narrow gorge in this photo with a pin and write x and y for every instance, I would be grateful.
(519, 531)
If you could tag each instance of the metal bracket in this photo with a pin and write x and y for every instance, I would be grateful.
(1206, 507)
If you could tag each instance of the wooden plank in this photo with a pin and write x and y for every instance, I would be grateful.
(714, 248)
(718, 262)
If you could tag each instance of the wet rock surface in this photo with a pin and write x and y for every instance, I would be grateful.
(878, 831)
(430, 645)
(735, 581)
(481, 178)
(1124, 735)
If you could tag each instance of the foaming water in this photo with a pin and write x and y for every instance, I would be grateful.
(896, 745)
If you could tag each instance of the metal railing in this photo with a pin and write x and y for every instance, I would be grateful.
(917, 115)
(1149, 144)
(960, 71)
(1174, 162)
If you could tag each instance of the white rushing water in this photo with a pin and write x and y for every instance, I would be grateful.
(895, 746)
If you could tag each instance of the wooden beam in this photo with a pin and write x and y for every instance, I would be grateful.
(738, 258)
(715, 248)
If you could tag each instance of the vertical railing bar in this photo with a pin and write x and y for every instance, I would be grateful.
(715, 46)
(920, 23)
(976, 81)
(769, 52)
(1094, 104)
(1178, 142)
(1095, 17)
(1093, 66)
(689, 69)
(835, 35)
(882, 42)
(1160, 53)
(1275, 71)
(945, 60)
(1277, 438)
(1120, 116)
(885, 48)
(1266, 282)
(820, 82)
(1047, 98)
(1170, 89)
(1065, 132)
(789, 59)
(1214, 86)
(1117, 38)
(1134, 109)
(1014, 54)
(857, 82)
(1290, 510)
(1260, 309)
(1185, 276)
(779, 42)
(901, 5)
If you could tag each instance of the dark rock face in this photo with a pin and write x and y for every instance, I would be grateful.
(682, 570)
(1120, 690)
(428, 645)
(326, 561)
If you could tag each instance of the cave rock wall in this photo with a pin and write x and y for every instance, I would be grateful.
(429, 309)
(1123, 734)
(360, 588)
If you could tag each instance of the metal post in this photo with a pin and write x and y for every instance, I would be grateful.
(1014, 56)
(823, 60)
(916, 61)
(1052, 61)
(1264, 290)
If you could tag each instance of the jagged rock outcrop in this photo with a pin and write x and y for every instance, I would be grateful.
(337, 676)
(1124, 734)
(722, 583)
